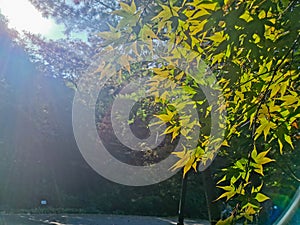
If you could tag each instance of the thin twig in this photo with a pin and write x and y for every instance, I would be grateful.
(105, 5)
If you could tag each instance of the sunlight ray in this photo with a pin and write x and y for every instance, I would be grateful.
(23, 16)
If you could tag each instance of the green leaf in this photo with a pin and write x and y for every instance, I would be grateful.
(198, 74)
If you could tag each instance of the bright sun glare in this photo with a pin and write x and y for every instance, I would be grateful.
(22, 15)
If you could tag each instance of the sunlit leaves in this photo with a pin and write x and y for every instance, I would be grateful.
(246, 16)
(218, 37)
(261, 197)
(128, 8)
(249, 211)
(230, 191)
(147, 34)
(260, 159)
(166, 117)
(128, 14)
(166, 13)
(227, 221)
(265, 126)
(243, 44)
(187, 159)
(110, 35)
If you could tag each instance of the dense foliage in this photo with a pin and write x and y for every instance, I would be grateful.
(252, 48)
(245, 52)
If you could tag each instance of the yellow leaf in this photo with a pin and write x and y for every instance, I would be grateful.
(166, 117)
(227, 221)
(241, 190)
(225, 143)
(210, 6)
(184, 156)
(254, 153)
(259, 169)
(201, 12)
(257, 189)
(172, 129)
(261, 159)
(262, 14)
(124, 62)
(264, 127)
(289, 99)
(227, 2)
(265, 160)
(274, 90)
(283, 87)
(250, 210)
(188, 165)
(288, 139)
(246, 16)
(264, 112)
(280, 146)
(256, 38)
(165, 14)
(261, 197)
(275, 108)
(161, 73)
(180, 154)
(230, 192)
(221, 196)
(223, 179)
(248, 217)
(218, 37)
(218, 58)
(175, 133)
(198, 27)
(195, 166)
(131, 9)
(147, 34)
(199, 152)
(107, 35)
(262, 154)
(179, 76)
(133, 6)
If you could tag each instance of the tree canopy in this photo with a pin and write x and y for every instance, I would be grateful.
(251, 49)
(233, 62)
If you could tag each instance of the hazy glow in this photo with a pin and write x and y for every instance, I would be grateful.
(23, 16)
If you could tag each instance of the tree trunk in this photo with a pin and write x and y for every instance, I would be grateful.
(182, 200)
(214, 210)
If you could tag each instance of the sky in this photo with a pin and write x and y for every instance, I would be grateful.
(22, 15)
